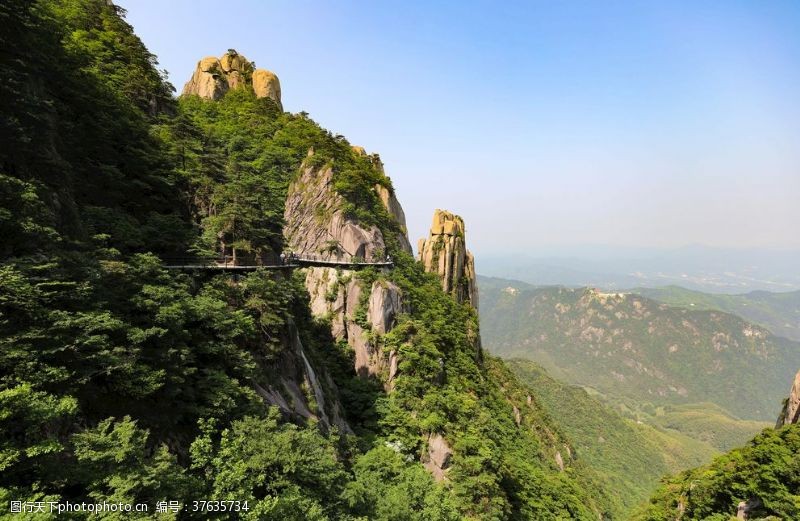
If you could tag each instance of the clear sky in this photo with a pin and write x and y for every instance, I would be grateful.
(545, 123)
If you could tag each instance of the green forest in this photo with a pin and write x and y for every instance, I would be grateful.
(122, 381)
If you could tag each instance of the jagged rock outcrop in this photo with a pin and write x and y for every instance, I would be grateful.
(317, 226)
(438, 456)
(392, 206)
(389, 201)
(791, 407)
(266, 85)
(339, 295)
(445, 253)
(213, 77)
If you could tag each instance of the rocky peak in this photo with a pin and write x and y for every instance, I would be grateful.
(213, 77)
(791, 407)
(445, 253)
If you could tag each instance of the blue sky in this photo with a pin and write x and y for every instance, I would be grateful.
(544, 124)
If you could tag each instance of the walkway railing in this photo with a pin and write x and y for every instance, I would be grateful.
(284, 261)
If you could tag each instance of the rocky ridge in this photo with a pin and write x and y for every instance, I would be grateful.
(213, 77)
(637, 348)
(445, 253)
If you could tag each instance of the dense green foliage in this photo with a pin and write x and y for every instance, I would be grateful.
(778, 312)
(628, 463)
(235, 159)
(707, 423)
(123, 381)
(636, 350)
(630, 454)
(765, 473)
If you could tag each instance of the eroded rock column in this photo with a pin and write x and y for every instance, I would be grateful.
(444, 252)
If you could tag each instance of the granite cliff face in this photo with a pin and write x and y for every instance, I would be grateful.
(389, 200)
(317, 226)
(360, 312)
(791, 407)
(445, 253)
(290, 375)
(213, 77)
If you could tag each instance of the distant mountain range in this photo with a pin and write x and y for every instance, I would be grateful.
(702, 268)
(640, 350)
(778, 312)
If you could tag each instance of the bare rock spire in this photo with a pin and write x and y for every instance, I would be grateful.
(445, 252)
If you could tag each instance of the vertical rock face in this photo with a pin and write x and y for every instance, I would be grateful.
(213, 77)
(358, 315)
(791, 409)
(445, 253)
(294, 370)
(392, 206)
(389, 201)
(317, 226)
(266, 85)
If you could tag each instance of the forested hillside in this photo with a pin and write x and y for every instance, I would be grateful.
(638, 350)
(123, 381)
(627, 457)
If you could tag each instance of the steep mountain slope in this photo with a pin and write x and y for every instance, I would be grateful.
(778, 312)
(637, 350)
(758, 481)
(632, 455)
(314, 393)
(704, 422)
(628, 461)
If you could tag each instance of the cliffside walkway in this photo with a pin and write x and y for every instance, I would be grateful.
(286, 262)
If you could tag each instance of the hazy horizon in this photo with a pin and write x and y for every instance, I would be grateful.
(544, 125)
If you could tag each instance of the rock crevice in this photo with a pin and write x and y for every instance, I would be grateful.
(293, 368)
